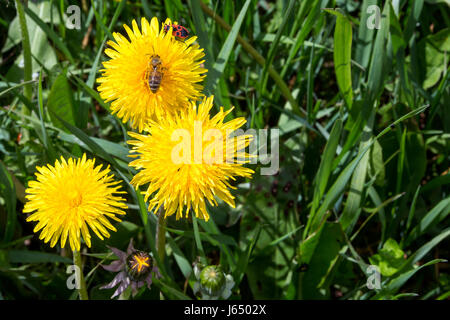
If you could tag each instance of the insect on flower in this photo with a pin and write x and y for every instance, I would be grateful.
(122, 81)
(154, 73)
(178, 31)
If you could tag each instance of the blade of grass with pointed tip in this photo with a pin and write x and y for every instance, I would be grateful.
(96, 149)
(352, 207)
(395, 284)
(47, 142)
(244, 257)
(211, 228)
(27, 256)
(380, 60)
(92, 73)
(94, 94)
(434, 216)
(198, 240)
(364, 42)
(324, 171)
(180, 259)
(334, 192)
(16, 86)
(412, 209)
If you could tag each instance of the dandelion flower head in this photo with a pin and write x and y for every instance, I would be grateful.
(189, 173)
(152, 52)
(70, 196)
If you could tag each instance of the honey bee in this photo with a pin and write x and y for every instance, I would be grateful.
(154, 73)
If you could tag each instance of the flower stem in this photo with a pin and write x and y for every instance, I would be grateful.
(161, 235)
(77, 261)
(198, 240)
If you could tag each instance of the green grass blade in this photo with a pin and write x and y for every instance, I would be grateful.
(9, 194)
(224, 54)
(343, 55)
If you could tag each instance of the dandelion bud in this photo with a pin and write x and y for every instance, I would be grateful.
(212, 280)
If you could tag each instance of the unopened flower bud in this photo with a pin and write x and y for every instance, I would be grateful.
(139, 265)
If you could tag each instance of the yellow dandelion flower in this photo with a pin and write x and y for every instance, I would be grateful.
(152, 74)
(187, 173)
(70, 196)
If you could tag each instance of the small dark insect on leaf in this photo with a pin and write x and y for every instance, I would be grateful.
(303, 267)
(392, 126)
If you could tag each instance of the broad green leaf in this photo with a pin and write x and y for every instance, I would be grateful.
(60, 101)
(395, 284)
(318, 256)
(389, 259)
(436, 48)
(343, 55)
(50, 33)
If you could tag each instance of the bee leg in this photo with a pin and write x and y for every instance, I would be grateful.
(145, 78)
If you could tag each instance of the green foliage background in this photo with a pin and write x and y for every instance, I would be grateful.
(364, 116)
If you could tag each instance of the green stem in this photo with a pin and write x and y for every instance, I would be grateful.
(161, 235)
(27, 89)
(83, 290)
(259, 58)
(198, 240)
(27, 69)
